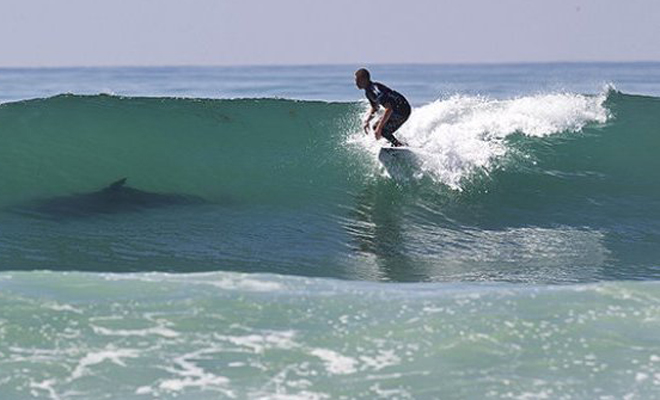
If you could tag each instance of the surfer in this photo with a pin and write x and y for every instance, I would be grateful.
(397, 108)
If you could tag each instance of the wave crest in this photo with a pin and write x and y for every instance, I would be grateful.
(459, 135)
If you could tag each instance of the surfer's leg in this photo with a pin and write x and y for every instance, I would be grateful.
(390, 137)
(390, 127)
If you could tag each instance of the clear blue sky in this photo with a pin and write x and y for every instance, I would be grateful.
(238, 32)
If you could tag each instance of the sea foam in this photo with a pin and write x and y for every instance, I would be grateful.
(456, 136)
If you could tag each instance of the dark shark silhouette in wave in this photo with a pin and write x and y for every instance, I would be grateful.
(114, 198)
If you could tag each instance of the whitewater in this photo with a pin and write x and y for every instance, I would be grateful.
(258, 248)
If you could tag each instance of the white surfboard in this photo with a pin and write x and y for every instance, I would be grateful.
(403, 151)
(400, 162)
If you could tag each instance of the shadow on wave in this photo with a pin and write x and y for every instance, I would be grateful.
(115, 198)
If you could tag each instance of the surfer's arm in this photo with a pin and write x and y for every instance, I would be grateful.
(379, 129)
(369, 118)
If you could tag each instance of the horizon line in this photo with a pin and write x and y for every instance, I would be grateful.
(304, 65)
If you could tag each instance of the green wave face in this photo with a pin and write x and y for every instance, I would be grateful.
(244, 150)
(294, 152)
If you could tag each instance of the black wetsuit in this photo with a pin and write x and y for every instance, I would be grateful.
(380, 95)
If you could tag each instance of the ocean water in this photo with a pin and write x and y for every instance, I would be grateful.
(230, 232)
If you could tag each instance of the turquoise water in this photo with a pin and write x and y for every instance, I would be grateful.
(229, 335)
(259, 248)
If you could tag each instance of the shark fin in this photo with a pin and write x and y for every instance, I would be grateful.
(117, 184)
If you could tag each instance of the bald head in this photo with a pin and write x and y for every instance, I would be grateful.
(362, 78)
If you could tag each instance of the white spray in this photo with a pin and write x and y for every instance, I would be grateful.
(459, 135)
